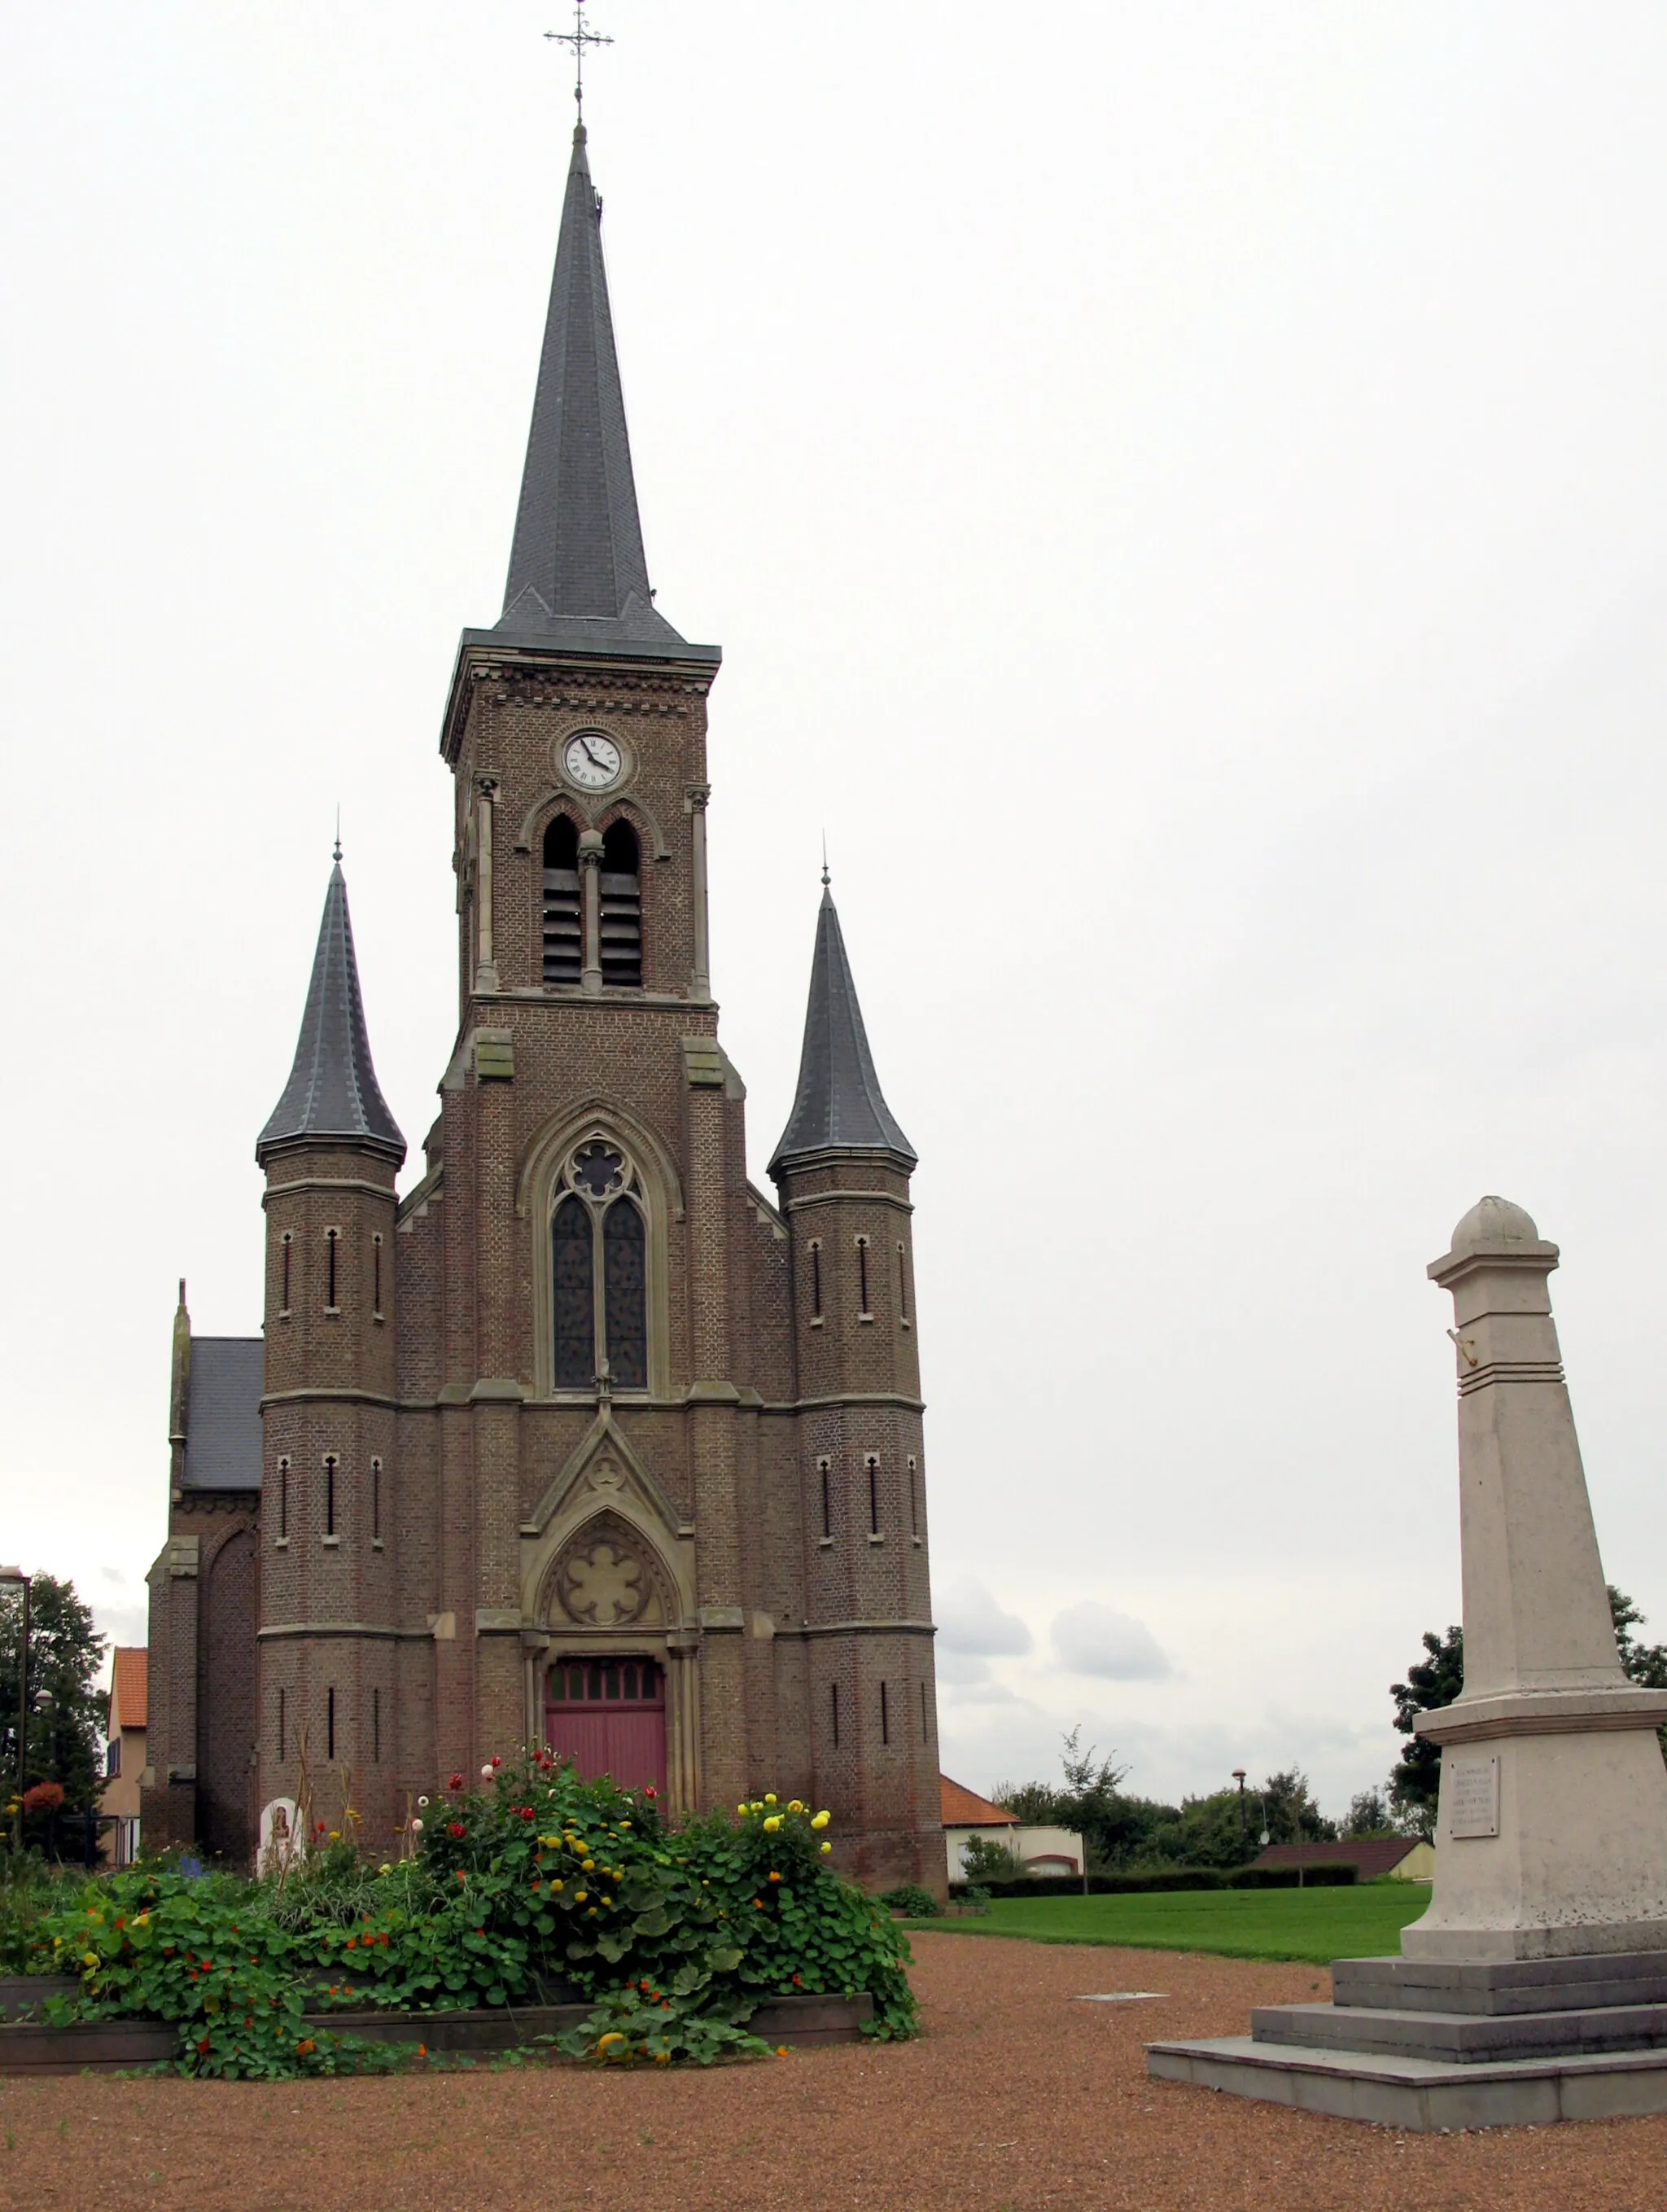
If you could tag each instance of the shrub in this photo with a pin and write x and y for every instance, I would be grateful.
(909, 1899)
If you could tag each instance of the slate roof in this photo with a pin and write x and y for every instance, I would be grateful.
(332, 1089)
(130, 1684)
(839, 1103)
(1375, 1856)
(965, 1809)
(578, 575)
(223, 1414)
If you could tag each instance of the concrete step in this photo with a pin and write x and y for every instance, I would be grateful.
(1418, 2095)
(1462, 2038)
(1503, 1986)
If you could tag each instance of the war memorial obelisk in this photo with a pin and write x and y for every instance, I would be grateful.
(1535, 1988)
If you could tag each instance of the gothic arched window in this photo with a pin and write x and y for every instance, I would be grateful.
(564, 947)
(599, 1271)
(620, 889)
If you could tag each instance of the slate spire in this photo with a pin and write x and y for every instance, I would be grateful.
(840, 1105)
(332, 1089)
(578, 575)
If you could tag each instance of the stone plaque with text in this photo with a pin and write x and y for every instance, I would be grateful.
(1473, 1784)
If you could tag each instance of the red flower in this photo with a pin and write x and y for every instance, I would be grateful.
(526, 1812)
(650, 1791)
(455, 1828)
(455, 1783)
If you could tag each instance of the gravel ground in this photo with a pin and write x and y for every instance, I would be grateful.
(1017, 2098)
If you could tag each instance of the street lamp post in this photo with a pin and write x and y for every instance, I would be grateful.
(14, 1578)
(1239, 1777)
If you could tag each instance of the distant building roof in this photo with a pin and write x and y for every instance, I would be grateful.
(222, 1413)
(129, 1685)
(1375, 1856)
(965, 1809)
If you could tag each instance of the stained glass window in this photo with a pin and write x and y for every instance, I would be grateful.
(624, 1278)
(572, 1272)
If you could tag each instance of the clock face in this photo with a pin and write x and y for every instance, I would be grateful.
(593, 761)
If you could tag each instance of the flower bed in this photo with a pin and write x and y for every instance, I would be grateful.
(529, 1887)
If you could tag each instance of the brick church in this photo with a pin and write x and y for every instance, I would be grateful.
(583, 1439)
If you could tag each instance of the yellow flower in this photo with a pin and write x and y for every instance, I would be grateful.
(624, 1825)
(772, 1824)
(742, 1811)
(769, 1796)
(90, 1957)
(589, 1865)
(607, 1900)
(820, 1819)
(579, 1896)
(336, 1835)
(794, 1805)
(828, 1847)
(555, 1884)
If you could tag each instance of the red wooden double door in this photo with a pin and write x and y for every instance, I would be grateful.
(608, 1716)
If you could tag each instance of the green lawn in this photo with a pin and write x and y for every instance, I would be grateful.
(1314, 1924)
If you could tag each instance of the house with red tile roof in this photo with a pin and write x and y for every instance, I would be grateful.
(1393, 1858)
(1034, 1850)
(125, 1751)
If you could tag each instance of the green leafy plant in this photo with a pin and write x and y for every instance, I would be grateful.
(911, 1900)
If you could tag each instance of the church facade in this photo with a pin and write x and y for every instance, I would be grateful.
(583, 1440)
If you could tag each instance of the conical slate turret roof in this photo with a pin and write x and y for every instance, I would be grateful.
(332, 1089)
(577, 572)
(839, 1103)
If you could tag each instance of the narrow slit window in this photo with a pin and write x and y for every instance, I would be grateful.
(330, 1495)
(564, 945)
(376, 1726)
(376, 1499)
(816, 1277)
(330, 1721)
(902, 1286)
(283, 1301)
(283, 1749)
(862, 1272)
(828, 1500)
(885, 1715)
(376, 1275)
(873, 1495)
(621, 890)
(926, 1726)
(283, 1500)
(914, 1496)
(332, 1237)
(834, 1693)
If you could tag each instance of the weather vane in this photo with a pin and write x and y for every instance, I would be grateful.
(579, 37)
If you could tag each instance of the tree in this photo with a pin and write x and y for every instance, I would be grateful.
(66, 1653)
(1370, 1814)
(1115, 1829)
(1414, 1782)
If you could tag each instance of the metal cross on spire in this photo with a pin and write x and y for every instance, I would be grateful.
(579, 37)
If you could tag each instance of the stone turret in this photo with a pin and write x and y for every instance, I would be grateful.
(331, 1152)
(842, 1169)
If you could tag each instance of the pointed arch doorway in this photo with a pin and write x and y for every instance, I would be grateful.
(608, 1716)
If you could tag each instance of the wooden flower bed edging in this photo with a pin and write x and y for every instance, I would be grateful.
(110, 2046)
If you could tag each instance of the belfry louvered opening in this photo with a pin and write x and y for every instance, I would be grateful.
(621, 905)
(564, 940)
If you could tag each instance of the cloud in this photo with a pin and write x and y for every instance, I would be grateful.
(960, 1669)
(1090, 1638)
(969, 1619)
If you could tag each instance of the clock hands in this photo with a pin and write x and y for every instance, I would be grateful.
(590, 757)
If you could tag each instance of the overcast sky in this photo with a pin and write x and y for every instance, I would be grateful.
(1183, 494)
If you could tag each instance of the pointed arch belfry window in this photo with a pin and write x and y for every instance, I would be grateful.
(621, 892)
(564, 946)
(599, 1270)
